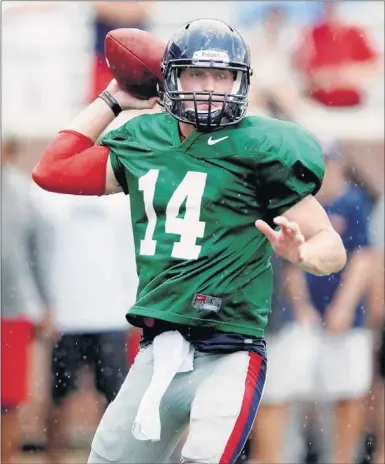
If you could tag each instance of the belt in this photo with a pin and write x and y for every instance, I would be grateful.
(189, 332)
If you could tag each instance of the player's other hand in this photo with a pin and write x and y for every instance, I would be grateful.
(126, 100)
(288, 242)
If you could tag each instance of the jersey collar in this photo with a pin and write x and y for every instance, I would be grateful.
(188, 141)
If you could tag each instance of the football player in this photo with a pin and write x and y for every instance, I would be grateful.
(212, 192)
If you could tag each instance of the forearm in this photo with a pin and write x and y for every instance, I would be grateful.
(355, 281)
(71, 163)
(323, 254)
(93, 120)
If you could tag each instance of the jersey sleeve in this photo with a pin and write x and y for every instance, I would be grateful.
(291, 168)
(126, 142)
(116, 140)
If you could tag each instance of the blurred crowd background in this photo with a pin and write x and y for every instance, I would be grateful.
(68, 271)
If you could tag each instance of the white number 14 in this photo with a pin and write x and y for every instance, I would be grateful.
(189, 227)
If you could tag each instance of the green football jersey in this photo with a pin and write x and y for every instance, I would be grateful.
(200, 259)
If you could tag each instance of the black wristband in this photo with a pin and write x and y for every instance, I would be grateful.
(111, 102)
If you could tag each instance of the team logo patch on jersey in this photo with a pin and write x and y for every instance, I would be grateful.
(206, 302)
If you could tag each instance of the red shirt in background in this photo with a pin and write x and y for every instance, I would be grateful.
(334, 46)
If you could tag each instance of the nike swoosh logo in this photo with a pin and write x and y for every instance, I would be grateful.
(213, 142)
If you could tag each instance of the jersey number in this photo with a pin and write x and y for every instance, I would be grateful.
(189, 227)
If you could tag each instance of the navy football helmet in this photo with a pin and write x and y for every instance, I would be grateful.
(206, 43)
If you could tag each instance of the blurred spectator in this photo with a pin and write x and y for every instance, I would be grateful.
(46, 63)
(109, 16)
(24, 297)
(270, 44)
(341, 365)
(337, 60)
(275, 88)
(93, 282)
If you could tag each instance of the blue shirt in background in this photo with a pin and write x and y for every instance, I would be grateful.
(349, 215)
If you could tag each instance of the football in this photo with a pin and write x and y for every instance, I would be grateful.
(134, 58)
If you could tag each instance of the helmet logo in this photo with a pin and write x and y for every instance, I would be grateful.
(211, 55)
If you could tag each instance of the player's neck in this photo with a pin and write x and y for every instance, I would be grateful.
(185, 130)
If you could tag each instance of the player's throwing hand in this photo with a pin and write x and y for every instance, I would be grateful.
(288, 242)
(128, 101)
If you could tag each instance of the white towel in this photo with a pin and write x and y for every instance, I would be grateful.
(172, 354)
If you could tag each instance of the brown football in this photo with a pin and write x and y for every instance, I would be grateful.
(134, 57)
